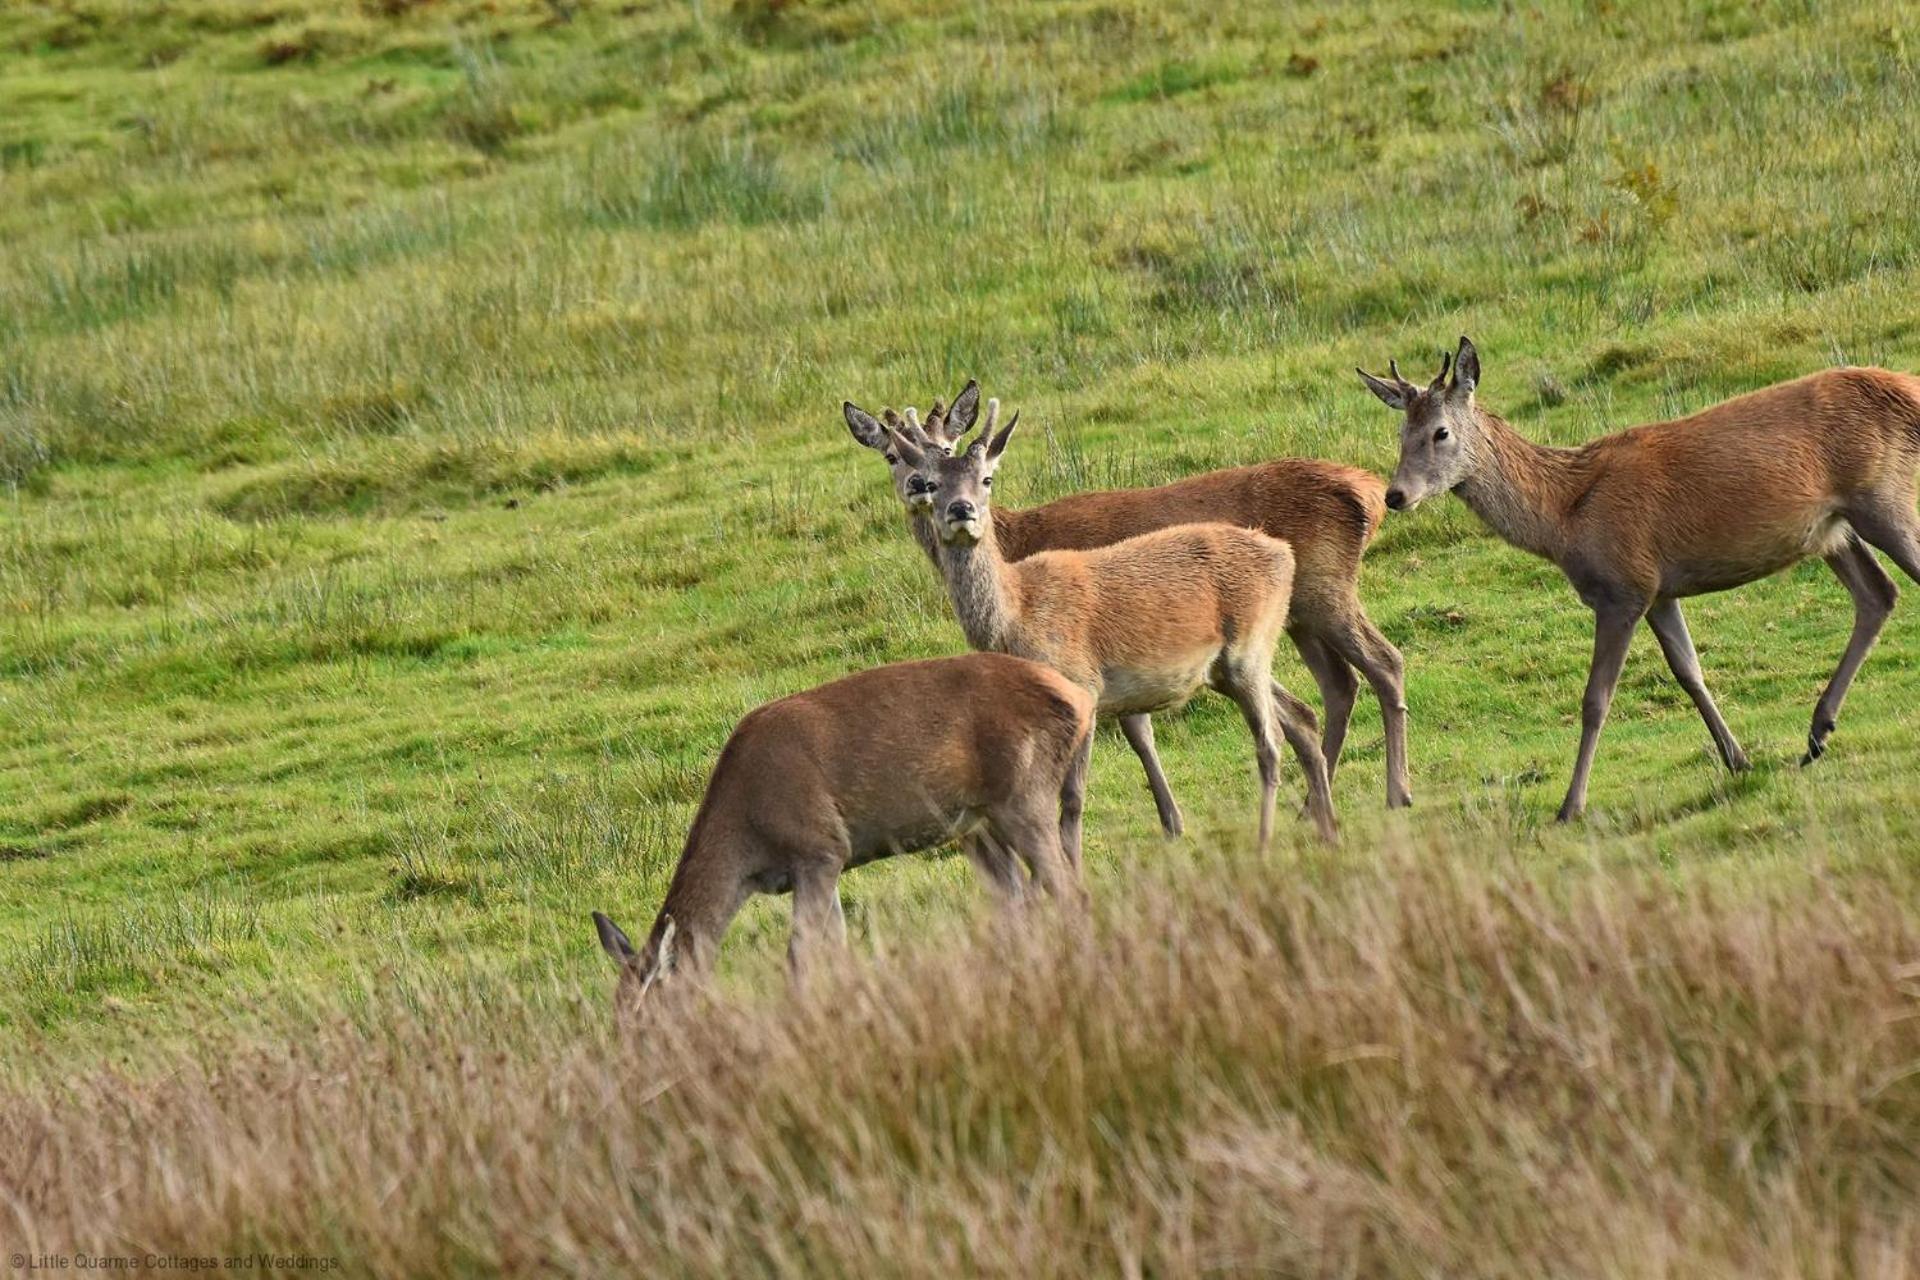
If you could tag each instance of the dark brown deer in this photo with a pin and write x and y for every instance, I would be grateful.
(1327, 513)
(983, 748)
(1821, 466)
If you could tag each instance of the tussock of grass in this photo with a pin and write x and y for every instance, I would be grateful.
(1408, 1068)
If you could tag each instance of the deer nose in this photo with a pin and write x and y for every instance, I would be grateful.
(961, 510)
(1396, 499)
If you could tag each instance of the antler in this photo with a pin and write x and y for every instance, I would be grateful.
(988, 422)
(1393, 371)
(1440, 378)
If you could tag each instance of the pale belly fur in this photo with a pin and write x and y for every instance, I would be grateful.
(1169, 685)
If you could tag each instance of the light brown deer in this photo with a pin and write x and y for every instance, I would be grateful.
(1326, 512)
(1824, 465)
(1141, 624)
(983, 748)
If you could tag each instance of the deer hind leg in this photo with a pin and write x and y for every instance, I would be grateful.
(1669, 627)
(1032, 833)
(1338, 684)
(1073, 802)
(1873, 593)
(1360, 643)
(1138, 730)
(1296, 725)
(1248, 689)
(998, 868)
(818, 922)
(1890, 523)
(1612, 634)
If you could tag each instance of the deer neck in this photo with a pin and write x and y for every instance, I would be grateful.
(976, 577)
(922, 526)
(1520, 488)
(704, 896)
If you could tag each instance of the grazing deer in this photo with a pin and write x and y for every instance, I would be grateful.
(984, 748)
(1141, 624)
(1824, 465)
(1325, 511)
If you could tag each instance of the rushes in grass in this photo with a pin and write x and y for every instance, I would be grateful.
(78, 953)
(686, 181)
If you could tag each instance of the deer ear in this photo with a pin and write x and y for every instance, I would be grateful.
(865, 428)
(612, 940)
(1466, 368)
(961, 414)
(1390, 395)
(909, 450)
(998, 445)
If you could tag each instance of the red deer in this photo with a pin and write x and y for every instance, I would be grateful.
(1824, 465)
(1326, 512)
(1140, 624)
(983, 748)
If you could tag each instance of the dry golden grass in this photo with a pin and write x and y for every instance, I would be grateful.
(1418, 1067)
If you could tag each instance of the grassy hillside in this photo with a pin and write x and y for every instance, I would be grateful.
(419, 440)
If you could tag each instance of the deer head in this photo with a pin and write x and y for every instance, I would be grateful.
(1441, 436)
(640, 971)
(955, 487)
(944, 426)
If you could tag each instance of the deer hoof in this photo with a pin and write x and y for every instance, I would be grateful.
(1815, 749)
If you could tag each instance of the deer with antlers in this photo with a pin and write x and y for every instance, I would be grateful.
(1821, 466)
(1142, 624)
(1327, 513)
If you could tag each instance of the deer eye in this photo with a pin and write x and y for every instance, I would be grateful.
(891, 460)
(986, 482)
(1440, 435)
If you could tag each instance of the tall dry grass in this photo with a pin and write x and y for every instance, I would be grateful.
(1421, 1067)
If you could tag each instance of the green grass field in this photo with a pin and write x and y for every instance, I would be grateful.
(420, 439)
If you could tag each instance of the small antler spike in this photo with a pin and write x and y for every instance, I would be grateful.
(1440, 379)
(993, 416)
(913, 416)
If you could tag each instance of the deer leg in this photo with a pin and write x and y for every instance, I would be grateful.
(1138, 730)
(1296, 725)
(1248, 689)
(1612, 634)
(1892, 525)
(998, 868)
(1362, 645)
(1337, 684)
(1073, 803)
(1033, 835)
(817, 918)
(1873, 595)
(1670, 629)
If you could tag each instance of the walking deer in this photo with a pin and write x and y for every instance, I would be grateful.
(987, 749)
(1141, 624)
(1326, 512)
(1824, 465)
